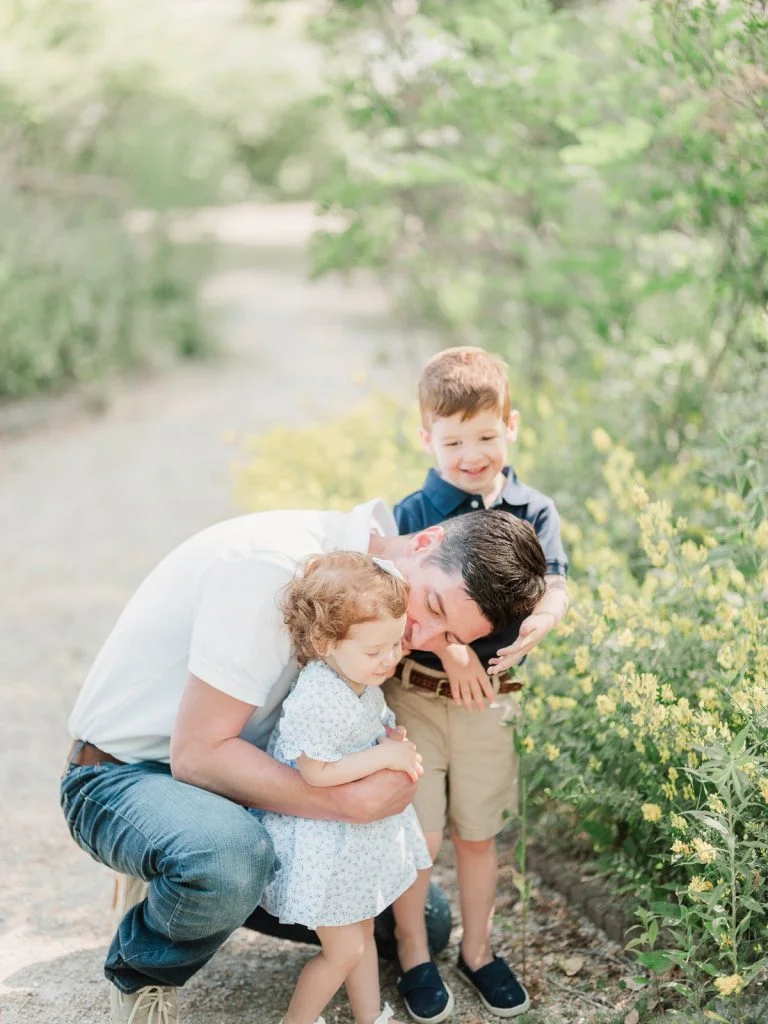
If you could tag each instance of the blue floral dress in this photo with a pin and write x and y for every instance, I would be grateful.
(331, 872)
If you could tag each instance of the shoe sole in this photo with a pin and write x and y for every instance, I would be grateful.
(497, 1011)
(443, 1015)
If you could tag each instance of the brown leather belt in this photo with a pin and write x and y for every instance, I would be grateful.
(441, 687)
(84, 753)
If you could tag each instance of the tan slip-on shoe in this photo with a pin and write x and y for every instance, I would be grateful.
(151, 1005)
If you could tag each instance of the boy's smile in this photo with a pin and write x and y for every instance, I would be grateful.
(471, 453)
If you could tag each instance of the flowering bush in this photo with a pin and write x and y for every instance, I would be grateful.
(646, 713)
(648, 710)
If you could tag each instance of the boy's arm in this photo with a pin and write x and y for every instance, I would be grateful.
(470, 685)
(397, 754)
(545, 616)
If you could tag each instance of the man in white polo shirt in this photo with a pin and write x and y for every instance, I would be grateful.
(172, 721)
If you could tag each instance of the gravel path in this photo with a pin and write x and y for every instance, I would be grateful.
(88, 506)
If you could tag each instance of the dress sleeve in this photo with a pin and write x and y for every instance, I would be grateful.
(314, 720)
(388, 717)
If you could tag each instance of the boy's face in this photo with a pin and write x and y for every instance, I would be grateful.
(471, 453)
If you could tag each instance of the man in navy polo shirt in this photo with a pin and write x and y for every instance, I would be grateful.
(449, 701)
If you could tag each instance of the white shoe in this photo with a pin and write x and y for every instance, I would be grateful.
(386, 1015)
(151, 1005)
(128, 891)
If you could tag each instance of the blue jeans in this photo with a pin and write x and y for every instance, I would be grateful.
(206, 859)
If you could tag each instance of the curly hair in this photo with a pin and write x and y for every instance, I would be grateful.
(333, 592)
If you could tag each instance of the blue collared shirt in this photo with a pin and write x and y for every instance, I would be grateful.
(439, 500)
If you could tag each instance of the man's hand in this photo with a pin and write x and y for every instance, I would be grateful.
(378, 796)
(401, 756)
(470, 685)
(532, 632)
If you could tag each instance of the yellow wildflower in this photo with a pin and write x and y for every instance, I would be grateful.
(680, 847)
(601, 440)
(705, 852)
(605, 705)
(625, 638)
(600, 632)
(761, 535)
(699, 884)
(597, 510)
(678, 823)
(528, 744)
(581, 658)
(622, 731)
(764, 789)
(639, 496)
(728, 985)
(734, 502)
(586, 686)
(545, 670)
(725, 657)
(651, 812)
(691, 552)
(552, 752)
(716, 804)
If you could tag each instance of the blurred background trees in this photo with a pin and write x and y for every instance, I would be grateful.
(583, 188)
(112, 106)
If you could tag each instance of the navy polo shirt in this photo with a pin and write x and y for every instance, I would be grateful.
(439, 500)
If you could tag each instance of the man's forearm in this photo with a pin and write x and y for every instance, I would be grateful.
(242, 772)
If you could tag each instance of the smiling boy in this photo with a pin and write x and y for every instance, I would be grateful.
(447, 698)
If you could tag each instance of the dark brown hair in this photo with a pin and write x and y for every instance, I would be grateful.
(500, 560)
(333, 592)
(463, 380)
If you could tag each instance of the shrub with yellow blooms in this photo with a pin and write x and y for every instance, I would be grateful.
(645, 716)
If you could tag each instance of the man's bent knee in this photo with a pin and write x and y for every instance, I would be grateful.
(222, 884)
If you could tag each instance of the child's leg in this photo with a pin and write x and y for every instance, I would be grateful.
(363, 983)
(320, 979)
(409, 910)
(477, 874)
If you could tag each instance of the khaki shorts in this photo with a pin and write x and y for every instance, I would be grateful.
(470, 765)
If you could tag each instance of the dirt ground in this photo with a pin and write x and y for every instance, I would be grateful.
(88, 505)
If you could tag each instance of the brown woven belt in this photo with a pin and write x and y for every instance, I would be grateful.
(86, 754)
(441, 687)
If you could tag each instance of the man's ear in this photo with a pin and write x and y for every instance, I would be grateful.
(426, 540)
(513, 425)
(425, 439)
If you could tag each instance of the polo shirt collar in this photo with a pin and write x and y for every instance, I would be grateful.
(515, 492)
(446, 498)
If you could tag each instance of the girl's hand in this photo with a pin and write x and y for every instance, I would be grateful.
(398, 733)
(401, 755)
(470, 685)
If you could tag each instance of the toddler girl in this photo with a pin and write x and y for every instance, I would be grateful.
(346, 615)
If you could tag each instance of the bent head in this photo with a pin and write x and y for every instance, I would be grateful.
(346, 609)
(470, 576)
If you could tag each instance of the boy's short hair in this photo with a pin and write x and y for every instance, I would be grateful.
(463, 380)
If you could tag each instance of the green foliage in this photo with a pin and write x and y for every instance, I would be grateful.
(585, 196)
(645, 716)
(110, 107)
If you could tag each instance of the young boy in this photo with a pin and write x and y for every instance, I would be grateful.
(446, 699)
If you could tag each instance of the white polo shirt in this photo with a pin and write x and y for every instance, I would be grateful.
(211, 608)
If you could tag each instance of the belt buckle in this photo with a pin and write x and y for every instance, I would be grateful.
(444, 682)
